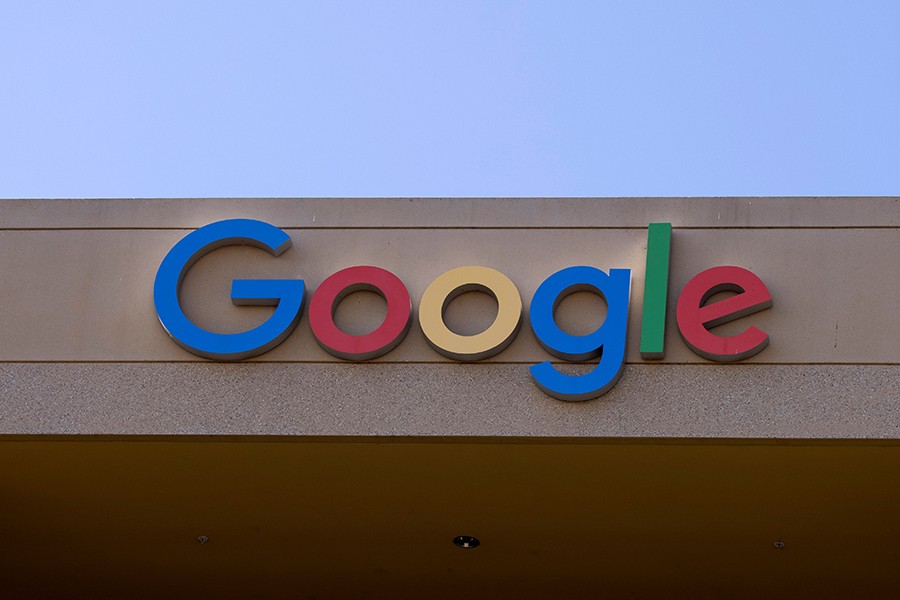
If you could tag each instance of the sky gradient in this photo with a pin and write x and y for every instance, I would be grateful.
(175, 99)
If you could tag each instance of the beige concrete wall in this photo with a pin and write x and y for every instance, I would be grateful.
(81, 350)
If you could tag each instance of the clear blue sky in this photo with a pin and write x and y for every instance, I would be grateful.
(376, 98)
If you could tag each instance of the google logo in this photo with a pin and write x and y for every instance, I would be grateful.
(695, 314)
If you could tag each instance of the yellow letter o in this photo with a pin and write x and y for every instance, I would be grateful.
(457, 281)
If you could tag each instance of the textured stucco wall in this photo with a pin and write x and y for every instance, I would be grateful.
(81, 349)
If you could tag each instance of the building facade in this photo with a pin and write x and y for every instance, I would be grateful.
(133, 461)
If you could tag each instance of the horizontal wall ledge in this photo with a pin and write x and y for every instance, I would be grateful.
(312, 213)
(681, 401)
(88, 295)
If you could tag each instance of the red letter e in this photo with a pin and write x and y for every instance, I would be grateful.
(695, 317)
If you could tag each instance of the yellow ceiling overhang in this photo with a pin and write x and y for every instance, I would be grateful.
(119, 517)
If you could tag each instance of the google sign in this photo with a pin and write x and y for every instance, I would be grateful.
(695, 314)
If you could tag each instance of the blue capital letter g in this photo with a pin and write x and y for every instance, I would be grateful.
(285, 294)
